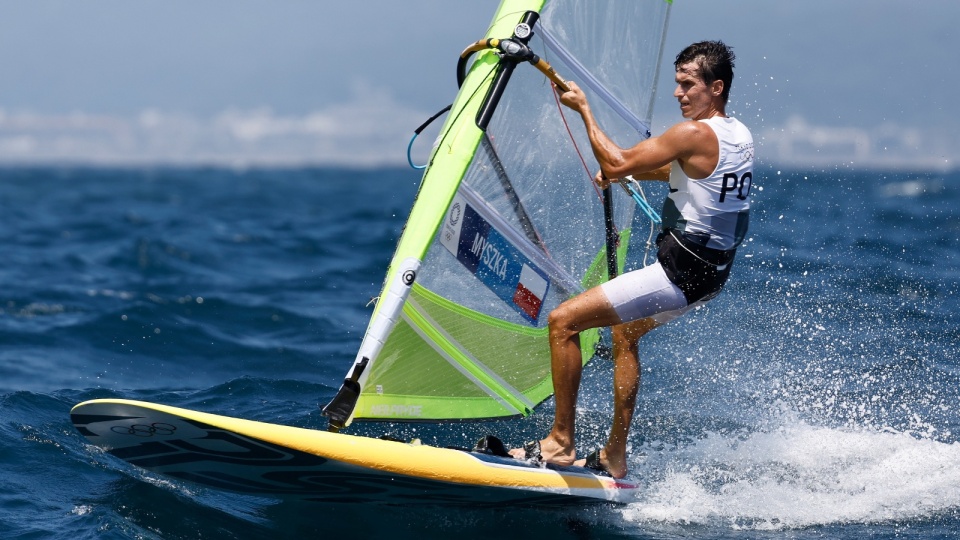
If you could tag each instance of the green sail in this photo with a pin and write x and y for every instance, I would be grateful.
(507, 223)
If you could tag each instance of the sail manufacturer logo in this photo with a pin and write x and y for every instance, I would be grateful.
(495, 261)
(396, 411)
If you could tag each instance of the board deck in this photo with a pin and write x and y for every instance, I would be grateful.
(287, 462)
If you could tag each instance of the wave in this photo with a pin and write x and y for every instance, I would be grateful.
(798, 475)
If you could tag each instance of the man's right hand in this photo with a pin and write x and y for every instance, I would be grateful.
(574, 98)
(602, 181)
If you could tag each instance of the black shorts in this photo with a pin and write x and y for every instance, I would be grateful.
(700, 272)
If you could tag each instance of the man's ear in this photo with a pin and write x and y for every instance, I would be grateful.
(716, 87)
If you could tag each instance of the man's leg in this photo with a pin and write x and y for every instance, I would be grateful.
(626, 383)
(590, 309)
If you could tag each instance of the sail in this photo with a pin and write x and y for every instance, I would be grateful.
(507, 223)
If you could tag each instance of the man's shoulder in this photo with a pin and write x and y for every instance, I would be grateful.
(692, 140)
(694, 134)
(690, 128)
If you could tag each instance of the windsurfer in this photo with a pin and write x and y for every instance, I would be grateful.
(708, 161)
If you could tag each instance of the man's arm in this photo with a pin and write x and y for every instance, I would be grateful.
(649, 159)
(662, 174)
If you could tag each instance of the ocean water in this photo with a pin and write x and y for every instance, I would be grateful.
(817, 397)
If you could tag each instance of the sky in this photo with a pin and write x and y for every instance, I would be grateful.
(861, 83)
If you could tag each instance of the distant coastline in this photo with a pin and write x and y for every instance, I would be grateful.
(357, 137)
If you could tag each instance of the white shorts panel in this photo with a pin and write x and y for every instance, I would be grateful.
(646, 292)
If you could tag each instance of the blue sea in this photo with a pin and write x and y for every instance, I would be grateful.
(817, 397)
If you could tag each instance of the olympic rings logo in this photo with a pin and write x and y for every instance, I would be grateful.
(143, 430)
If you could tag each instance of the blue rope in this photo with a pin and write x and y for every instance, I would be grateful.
(409, 147)
(642, 202)
(424, 125)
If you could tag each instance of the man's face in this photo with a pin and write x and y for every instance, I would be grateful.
(694, 96)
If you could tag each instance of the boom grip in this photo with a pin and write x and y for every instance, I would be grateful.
(551, 74)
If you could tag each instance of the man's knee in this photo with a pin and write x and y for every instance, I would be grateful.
(561, 322)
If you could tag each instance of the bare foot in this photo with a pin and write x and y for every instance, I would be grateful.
(550, 452)
(616, 467)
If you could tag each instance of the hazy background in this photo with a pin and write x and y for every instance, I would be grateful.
(861, 83)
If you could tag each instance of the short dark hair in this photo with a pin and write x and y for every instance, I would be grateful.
(715, 60)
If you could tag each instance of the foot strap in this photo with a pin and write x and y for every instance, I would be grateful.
(491, 445)
(593, 463)
(531, 451)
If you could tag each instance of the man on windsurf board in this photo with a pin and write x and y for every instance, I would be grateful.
(708, 161)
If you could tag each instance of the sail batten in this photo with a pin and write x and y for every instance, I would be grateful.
(507, 224)
(526, 224)
(589, 80)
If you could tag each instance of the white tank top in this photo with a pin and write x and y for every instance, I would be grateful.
(715, 210)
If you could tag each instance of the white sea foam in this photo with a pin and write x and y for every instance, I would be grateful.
(797, 476)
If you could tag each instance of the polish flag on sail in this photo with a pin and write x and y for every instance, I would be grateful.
(531, 289)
